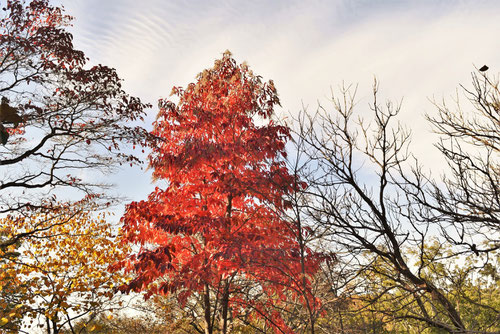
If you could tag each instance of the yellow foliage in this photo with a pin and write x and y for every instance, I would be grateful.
(64, 268)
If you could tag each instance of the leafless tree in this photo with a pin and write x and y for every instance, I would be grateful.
(467, 200)
(358, 176)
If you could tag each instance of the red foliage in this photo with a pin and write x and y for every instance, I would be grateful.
(219, 216)
(80, 114)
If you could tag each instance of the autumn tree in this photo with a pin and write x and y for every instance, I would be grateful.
(217, 222)
(62, 274)
(379, 305)
(12, 291)
(58, 116)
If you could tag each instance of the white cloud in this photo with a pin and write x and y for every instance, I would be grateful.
(415, 50)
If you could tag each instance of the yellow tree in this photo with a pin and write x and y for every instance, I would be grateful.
(62, 273)
(11, 289)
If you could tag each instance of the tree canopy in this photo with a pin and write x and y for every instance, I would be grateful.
(219, 220)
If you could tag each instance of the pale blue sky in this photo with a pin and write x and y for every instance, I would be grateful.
(415, 48)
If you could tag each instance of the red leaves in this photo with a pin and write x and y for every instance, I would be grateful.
(220, 213)
(35, 42)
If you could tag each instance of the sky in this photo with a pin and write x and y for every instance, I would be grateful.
(417, 50)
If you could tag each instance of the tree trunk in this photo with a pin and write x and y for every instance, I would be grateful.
(55, 329)
(225, 307)
(225, 292)
(206, 306)
(48, 325)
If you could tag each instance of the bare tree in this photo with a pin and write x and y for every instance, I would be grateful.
(467, 200)
(358, 174)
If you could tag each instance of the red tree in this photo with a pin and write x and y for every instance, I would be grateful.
(62, 122)
(218, 221)
(73, 117)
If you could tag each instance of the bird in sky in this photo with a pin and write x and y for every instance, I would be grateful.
(484, 68)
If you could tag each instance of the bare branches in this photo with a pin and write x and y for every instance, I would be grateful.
(369, 202)
(467, 202)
